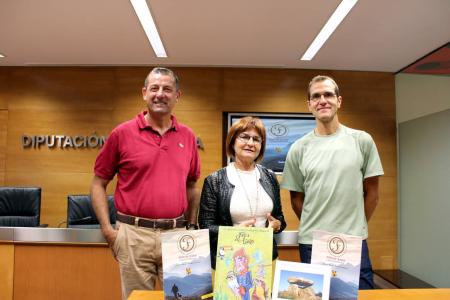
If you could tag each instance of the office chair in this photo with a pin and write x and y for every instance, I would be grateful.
(20, 206)
(80, 213)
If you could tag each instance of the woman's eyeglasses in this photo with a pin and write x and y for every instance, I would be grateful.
(246, 138)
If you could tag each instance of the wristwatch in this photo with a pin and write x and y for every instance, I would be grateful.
(191, 226)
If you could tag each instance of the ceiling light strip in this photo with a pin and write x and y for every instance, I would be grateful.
(147, 22)
(1, 55)
(339, 14)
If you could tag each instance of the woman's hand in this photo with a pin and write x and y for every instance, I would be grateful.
(274, 223)
(248, 223)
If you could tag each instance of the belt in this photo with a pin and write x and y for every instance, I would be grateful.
(179, 222)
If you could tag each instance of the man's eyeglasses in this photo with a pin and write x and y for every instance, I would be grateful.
(246, 138)
(317, 96)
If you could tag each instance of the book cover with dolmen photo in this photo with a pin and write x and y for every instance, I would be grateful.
(186, 265)
(243, 263)
(301, 281)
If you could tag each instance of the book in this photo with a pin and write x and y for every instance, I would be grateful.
(343, 253)
(243, 263)
(186, 265)
(293, 280)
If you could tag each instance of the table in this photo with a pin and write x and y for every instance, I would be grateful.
(398, 294)
(410, 294)
(59, 263)
(56, 263)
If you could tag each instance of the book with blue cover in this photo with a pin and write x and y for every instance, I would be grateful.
(243, 263)
(186, 265)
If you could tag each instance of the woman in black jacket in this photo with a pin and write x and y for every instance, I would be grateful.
(244, 193)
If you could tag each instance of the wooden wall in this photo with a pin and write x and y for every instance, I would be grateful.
(83, 101)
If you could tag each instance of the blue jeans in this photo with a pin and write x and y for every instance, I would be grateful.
(365, 275)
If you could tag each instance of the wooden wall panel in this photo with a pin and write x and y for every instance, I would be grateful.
(206, 126)
(3, 143)
(86, 100)
(383, 226)
(366, 92)
(289, 215)
(60, 272)
(128, 90)
(30, 122)
(7, 271)
(4, 76)
(265, 90)
(60, 89)
(59, 172)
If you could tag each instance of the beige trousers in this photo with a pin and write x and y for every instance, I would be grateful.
(138, 251)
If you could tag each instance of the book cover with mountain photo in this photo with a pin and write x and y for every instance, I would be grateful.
(343, 253)
(186, 265)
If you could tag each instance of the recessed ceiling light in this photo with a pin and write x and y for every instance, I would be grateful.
(339, 14)
(145, 17)
(1, 55)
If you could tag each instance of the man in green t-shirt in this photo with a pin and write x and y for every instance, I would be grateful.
(332, 175)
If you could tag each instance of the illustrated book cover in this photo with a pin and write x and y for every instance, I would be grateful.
(244, 263)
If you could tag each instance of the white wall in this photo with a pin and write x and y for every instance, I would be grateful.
(424, 176)
(420, 95)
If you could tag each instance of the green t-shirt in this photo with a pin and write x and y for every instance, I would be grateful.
(330, 171)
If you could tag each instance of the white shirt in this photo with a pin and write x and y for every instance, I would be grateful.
(249, 199)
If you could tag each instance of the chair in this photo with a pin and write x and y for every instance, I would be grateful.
(20, 206)
(80, 213)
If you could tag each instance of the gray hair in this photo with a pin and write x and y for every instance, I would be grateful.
(164, 71)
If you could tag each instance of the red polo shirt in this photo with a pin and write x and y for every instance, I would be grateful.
(152, 170)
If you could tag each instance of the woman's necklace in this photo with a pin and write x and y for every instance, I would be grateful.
(252, 212)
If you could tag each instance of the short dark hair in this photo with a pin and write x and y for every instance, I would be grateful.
(242, 125)
(320, 78)
(164, 71)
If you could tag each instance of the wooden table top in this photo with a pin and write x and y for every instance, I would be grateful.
(398, 294)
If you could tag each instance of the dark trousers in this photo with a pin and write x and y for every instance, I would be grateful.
(365, 275)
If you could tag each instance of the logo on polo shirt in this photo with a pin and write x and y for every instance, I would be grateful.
(181, 145)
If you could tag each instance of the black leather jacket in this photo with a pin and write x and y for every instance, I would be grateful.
(215, 205)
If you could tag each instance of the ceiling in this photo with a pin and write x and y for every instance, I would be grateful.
(436, 63)
(377, 35)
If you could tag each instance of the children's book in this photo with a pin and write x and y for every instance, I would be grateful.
(186, 265)
(300, 281)
(243, 263)
(343, 253)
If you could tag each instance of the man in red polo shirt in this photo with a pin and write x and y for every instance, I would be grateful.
(157, 165)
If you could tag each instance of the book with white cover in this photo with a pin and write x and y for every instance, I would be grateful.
(186, 264)
(343, 253)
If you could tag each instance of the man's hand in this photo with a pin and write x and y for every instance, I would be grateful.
(110, 236)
